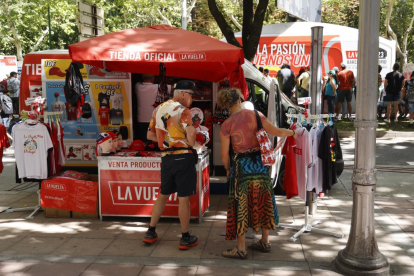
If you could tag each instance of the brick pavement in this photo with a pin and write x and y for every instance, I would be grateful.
(48, 246)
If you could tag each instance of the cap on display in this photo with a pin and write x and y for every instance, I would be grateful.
(55, 71)
(96, 71)
(102, 137)
(186, 85)
(137, 145)
(113, 135)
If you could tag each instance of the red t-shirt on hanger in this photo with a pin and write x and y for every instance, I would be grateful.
(290, 183)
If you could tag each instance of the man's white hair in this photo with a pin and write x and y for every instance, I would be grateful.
(178, 91)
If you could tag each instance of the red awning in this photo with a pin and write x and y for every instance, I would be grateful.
(185, 54)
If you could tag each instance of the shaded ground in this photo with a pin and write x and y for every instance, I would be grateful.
(47, 246)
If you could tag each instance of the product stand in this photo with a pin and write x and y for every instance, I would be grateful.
(308, 227)
(35, 209)
(128, 187)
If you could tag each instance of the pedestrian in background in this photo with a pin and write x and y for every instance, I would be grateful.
(346, 82)
(251, 198)
(330, 91)
(13, 86)
(408, 92)
(266, 72)
(286, 79)
(394, 82)
(303, 82)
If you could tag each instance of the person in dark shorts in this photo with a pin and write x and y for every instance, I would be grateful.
(346, 81)
(172, 127)
(394, 82)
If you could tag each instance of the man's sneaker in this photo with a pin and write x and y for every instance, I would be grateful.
(150, 237)
(386, 120)
(188, 242)
(396, 120)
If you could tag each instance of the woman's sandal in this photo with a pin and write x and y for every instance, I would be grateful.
(261, 246)
(234, 253)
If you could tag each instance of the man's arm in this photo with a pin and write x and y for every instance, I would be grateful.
(191, 135)
(152, 136)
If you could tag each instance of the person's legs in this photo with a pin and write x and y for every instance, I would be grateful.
(396, 110)
(158, 209)
(265, 235)
(389, 104)
(331, 103)
(304, 92)
(184, 213)
(241, 242)
(348, 96)
(15, 102)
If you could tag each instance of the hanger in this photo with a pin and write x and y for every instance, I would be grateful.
(330, 120)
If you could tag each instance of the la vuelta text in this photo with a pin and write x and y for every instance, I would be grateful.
(134, 164)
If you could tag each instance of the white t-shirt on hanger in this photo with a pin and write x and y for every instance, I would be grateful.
(303, 159)
(315, 171)
(31, 144)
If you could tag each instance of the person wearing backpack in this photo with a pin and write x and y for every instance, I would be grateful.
(408, 91)
(13, 85)
(6, 109)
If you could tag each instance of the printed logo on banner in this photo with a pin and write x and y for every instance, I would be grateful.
(137, 193)
(55, 186)
(192, 56)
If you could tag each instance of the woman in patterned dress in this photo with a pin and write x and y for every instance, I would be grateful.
(251, 201)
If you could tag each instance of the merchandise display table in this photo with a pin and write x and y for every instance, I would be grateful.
(129, 186)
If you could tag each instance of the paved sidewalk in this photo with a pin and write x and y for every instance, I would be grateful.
(46, 246)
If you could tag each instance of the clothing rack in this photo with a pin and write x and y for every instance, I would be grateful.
(308, 227)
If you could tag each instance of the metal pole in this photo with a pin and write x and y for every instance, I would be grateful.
(50, 31)
(184, 15)
(316, 69)
(315, 92)
(361, 255)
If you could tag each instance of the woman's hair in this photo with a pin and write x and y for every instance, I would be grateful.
(228, 97)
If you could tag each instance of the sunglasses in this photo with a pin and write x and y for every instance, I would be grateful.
(189, 93)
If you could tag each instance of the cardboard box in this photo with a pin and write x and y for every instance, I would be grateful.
(56, 213)
(62, 213)
(81, 215)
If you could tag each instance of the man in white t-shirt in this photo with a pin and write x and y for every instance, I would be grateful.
(146, 92)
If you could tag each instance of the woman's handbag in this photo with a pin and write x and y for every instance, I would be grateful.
(266, 147)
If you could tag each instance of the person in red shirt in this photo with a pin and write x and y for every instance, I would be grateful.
(250, 199)
(346, 81)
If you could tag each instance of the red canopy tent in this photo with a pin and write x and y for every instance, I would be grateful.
(185, 54)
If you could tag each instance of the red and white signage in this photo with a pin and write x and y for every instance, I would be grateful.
(129, 186)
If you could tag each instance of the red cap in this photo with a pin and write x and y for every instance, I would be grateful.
(55, 71)
(137, 145)
(113, 135)
(96, 71)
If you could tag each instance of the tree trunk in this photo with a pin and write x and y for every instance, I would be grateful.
(222, 23)
(252, 25)
(15, 37)
(250, 47)
(401, 52)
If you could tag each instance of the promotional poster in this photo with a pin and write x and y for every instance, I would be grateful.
(107, 105)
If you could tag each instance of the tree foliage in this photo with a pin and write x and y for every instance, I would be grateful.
(346, 13)
(24, 23)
